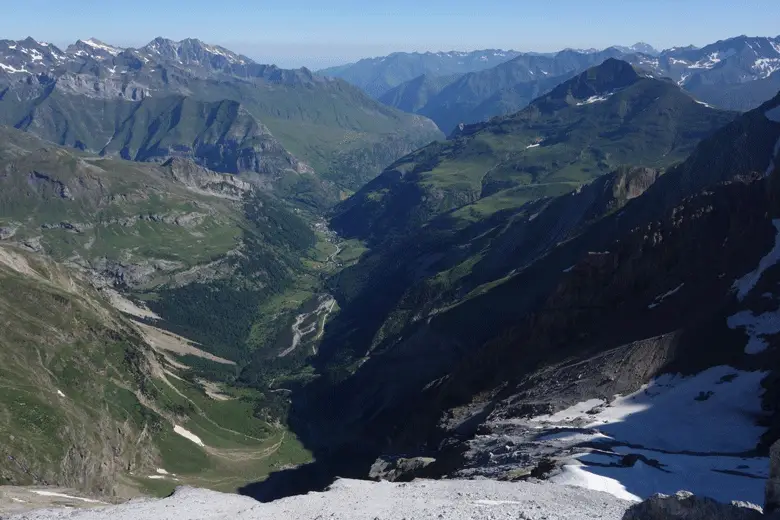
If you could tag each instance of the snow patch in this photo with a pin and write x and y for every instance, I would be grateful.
(102, 46)
(569, 269)
(574, 475)
(678, 432)
(34, 54)
(712, 60)
(765, 67)
(535, 145)
(661, 297)
(594, 99)
(756, 327)
(744, 285)
(703, 103)
(724, 478)
(63, 495)
(12, 70)
(773, 114)
(59, 393)
(161, 471)
(684, 414)
(188, 435)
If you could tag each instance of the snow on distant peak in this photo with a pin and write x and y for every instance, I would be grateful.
(220, 51)
(97, 44)
(713, 59)
(765, 67)
(13, 70)
(675, 61)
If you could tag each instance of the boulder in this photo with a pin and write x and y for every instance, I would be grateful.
(400, 469)
(686, 506)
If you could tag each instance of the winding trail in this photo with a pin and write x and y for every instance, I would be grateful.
(325, 307)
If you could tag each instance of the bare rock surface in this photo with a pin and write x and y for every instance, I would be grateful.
(685, 505)
(352, 499)
(772, 500)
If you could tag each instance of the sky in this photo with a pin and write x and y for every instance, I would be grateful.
(317, 33)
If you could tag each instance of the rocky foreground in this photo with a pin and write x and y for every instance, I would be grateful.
(353, 499)
(450, 499)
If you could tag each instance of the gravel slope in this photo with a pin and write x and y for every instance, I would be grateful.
(352, 499)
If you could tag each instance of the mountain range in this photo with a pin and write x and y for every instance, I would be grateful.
(456, 346)
(736, 74)
(378, 75)
(100, 392)
(607, 117)
(306, 134)
(222, 274)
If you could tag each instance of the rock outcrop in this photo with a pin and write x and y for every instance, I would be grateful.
(772, 501)
(400, 469)
(685, 505)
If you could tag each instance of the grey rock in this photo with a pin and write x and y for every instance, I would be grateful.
(686, 506)
(400, 469)
(772, 500)
(8, 231)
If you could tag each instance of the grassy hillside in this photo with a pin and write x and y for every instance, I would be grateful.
(308, 136)
(414, 94)
(607, 117)
(88, 403)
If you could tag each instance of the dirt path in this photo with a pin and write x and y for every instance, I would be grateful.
(327, 303)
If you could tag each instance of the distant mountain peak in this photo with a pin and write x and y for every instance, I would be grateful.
(193, 51)
(595, 84)
(591, 50)
(645, 48)
(97, 45)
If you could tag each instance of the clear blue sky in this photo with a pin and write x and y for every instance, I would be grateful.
(322, 32)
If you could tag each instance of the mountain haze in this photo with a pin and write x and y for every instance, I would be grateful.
(379, 75)
(736, 74)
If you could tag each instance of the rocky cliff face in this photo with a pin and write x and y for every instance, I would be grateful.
(649, 276)
(772, 501)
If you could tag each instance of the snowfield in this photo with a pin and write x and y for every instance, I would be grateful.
(744, 285)
(188, 435)
(695, 433)
(359, 500)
